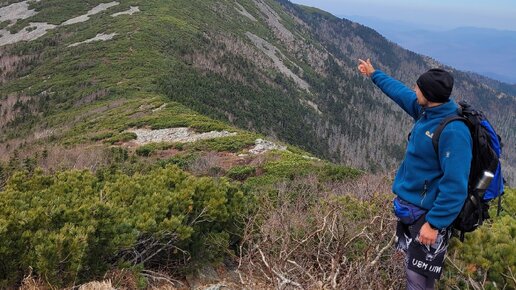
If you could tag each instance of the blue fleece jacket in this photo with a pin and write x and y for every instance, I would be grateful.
(436, 183)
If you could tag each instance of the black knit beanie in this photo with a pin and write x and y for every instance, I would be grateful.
(436, 85)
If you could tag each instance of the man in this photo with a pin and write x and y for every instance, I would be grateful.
(430, 187)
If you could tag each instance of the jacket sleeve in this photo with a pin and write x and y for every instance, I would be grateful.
(398, 92)
(455, 153)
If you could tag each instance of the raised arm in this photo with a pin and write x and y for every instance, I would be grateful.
(394, 89)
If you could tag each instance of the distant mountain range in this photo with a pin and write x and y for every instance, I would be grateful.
(486, 51)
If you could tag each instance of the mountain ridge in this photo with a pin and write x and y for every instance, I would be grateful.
(284, 70)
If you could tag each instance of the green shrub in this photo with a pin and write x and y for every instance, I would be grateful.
(289, 165)
(332, 172)
(207, 125)
(147, 149)
(102, 136)
(4, 24)
(181, 160)
(179, 146)
(228, 144)
(118, 154)
(176, 115)
(281, 165)
(488, 255)
(241, 173)
(121, 138)
(69, 227)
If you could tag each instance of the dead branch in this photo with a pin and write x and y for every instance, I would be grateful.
(455, 266)
(355, 237)
(310, 236)
(160, 277)
(379, 255)
(302, 269)
(511, 276)
(283, 279)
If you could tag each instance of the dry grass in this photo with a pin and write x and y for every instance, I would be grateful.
(215, 164)
(332, 236)
(105, 285)
(79, 157)
(31, 283)
(205, 164)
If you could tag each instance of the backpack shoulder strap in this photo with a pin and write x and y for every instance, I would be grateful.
(440, 128)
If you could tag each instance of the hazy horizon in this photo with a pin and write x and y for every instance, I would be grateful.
(496, 14)
(464, 49)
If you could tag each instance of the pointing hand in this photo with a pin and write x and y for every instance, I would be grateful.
(365, 67)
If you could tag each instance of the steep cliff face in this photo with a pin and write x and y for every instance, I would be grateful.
(284, 70)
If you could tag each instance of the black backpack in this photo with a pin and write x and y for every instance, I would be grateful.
(486, 158)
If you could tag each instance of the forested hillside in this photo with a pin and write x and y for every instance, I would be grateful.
(280, 69)
(141, 140)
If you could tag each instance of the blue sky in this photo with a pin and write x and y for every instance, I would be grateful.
(500, 14)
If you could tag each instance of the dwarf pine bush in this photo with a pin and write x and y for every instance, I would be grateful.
(71, 226)
(488, 255)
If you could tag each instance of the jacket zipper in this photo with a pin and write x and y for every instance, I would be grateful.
(423, 193)
(425, 187)
(416, 125)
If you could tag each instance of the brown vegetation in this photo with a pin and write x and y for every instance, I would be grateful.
(212, 163)
(11, 65)
(10, 108)
(337, 237)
